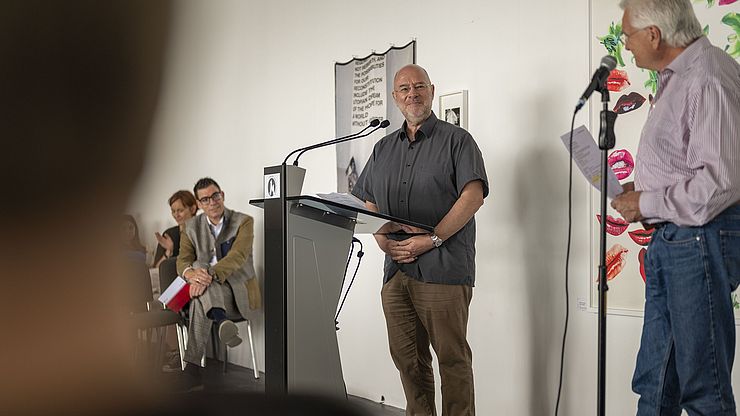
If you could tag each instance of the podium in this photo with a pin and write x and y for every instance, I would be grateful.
(307, 242)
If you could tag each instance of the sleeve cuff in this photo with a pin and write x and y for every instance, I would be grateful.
(649, 203)
(476, 177)
(214, 275)
(185, 271)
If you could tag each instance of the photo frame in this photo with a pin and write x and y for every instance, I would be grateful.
(453, 108)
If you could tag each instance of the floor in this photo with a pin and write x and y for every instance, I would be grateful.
(240, 379)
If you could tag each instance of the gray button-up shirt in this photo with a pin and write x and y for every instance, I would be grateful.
(688, 160)
(420, 181)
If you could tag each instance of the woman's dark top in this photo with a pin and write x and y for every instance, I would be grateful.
(174, 234)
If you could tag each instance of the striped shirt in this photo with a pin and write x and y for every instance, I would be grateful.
(688, 159)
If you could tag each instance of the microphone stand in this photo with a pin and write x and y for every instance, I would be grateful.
(606, 143)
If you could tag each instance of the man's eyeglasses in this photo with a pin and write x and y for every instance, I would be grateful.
(406, 89)
(215, 197)
(624, 37)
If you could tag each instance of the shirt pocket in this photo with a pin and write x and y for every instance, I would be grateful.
(433, 179)
(667, 138)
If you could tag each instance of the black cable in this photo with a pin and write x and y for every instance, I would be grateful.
(360, 253)
(346, 266)
(567, 259)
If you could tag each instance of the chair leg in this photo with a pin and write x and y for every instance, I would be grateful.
(137, 350)
(216, 347)
(225, 350)
(162, 336)
(181, 342)
(151, 342)
(251, 348)
(147, 353)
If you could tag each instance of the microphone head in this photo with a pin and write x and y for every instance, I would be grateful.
(374, 122)
(385, 124)
(609, 62)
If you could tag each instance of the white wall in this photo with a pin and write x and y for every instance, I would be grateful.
(250, 81)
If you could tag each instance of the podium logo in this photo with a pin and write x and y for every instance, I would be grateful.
(272, 186)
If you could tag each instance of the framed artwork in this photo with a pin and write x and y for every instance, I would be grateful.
(453, 108)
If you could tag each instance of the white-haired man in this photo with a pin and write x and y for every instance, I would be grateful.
(687, 185)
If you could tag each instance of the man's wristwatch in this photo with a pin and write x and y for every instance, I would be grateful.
(436, 240)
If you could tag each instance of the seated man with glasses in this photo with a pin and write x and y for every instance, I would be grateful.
(216, 259)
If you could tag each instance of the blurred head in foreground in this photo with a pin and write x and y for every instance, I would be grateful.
(78, 90)
(79, 82)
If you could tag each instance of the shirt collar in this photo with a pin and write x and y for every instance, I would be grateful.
(221, 221)
(427, 127)
(683, 61)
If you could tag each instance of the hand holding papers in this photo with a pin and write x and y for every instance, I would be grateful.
(587, 156)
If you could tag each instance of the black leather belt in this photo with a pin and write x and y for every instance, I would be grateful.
(654, 226)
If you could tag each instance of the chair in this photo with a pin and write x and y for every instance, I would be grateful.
(139, 284)
(167, 274)
(225, 348)
(147, 314)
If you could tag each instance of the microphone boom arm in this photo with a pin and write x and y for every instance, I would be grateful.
(304, 149)
(375, 123)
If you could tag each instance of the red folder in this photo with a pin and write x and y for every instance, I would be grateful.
(176, 295)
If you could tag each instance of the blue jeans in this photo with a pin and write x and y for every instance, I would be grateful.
(688, 336)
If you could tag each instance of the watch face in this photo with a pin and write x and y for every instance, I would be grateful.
(436, 240)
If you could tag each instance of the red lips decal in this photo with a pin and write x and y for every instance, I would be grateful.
(641, 259)
(641, 237)
(621, 163)
(617, 80)
(726, 2)
(629, 102)
(614, 226)
(615, 261)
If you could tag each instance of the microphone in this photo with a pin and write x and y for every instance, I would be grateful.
(373, 123)
(608, 63)
(377, 124)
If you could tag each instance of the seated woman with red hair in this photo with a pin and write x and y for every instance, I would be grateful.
(183, 207)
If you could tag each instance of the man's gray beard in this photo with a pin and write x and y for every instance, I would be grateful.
(418, 120)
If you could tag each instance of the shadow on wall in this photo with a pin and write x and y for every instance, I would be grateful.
(541, 195)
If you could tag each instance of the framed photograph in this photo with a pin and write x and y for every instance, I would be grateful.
(453, 108)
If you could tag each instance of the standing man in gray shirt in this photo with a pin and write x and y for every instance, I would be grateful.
(430, 172)
(687, 186)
